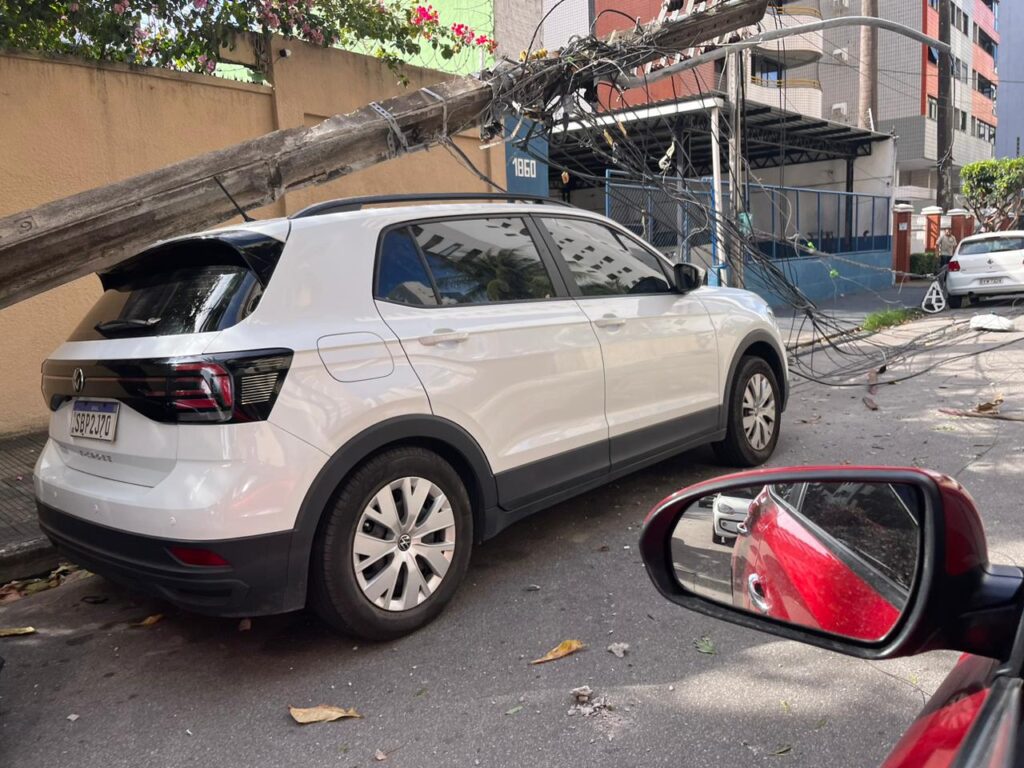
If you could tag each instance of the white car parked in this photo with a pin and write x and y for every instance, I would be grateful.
(989, 264)
(335, 407)
(728, 512)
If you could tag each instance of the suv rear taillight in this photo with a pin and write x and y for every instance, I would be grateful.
(954, 266)
(217, 389)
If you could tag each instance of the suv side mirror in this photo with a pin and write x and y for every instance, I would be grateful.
(688, 277)
(874, 563)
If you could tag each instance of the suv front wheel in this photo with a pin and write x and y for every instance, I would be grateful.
(394, 547)
(753, 416)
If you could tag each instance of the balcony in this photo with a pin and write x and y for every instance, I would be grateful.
(793, 94)
(792, 51)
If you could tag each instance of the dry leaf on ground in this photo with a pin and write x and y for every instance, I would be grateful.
(618, 649)
(870, 403)
(562, 650)
(990, 407)
(705, 645)
(321, 714)
(380, 756)
(149, 621)
(16, 631)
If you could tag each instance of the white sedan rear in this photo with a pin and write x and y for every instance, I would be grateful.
(989, 264)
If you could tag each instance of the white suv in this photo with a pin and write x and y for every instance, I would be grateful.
(333, 408)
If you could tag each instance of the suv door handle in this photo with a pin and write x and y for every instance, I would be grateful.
(610, 321)
(444, 336)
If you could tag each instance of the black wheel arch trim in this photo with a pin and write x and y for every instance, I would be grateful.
(420, 428)
(758, 336)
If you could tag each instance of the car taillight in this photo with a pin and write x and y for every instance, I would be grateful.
(211, 389)
(954, 266)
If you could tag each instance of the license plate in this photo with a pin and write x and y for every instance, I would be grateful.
(990, 281)
(94, 419)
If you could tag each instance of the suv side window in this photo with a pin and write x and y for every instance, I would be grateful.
(482, 261)
(401, 275)
(604, 262)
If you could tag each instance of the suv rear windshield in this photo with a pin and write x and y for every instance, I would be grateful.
(992, 245)
(191, 286)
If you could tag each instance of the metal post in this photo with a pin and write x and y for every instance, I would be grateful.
(735, 165)
(850, 200)
(716, 186)
(944, 191)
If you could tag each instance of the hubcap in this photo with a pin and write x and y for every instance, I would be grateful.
(404, 544)
(759, 415)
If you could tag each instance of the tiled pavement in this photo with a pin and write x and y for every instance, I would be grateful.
(23, 548)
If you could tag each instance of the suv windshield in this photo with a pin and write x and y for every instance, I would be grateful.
(992, 245)
(185, 287)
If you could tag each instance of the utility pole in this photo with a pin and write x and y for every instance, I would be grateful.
(735, 249)
(944, 190)
(867, 107)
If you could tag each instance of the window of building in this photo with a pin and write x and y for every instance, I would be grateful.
(933, 108)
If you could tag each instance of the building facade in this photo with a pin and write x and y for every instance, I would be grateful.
(1010, 138)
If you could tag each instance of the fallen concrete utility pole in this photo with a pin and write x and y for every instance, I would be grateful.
(57, 242)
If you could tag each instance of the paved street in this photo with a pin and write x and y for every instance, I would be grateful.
(192, 690)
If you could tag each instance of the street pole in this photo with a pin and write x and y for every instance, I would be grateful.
(867, 108)
(716, 191)
(944, 189)
(735, 167)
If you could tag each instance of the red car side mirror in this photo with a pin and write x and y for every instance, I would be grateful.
(871, 562)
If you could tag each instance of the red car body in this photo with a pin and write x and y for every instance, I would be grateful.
(800, 579)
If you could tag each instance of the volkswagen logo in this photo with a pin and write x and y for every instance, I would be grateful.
(404, 542)
(78, 379)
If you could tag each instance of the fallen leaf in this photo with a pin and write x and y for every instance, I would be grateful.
(990, 407)
(15, 631)
(515, 710)
(561, 650)
(619, 650)
(785, 707)
(821, 724)
(870, 403)
(420, 692)
(149, 621)
(321, 714)
(9, 593)
(705, 645)
(245, 625)
(72, 717)
(380, 756)
(783, 749)
(38, 586)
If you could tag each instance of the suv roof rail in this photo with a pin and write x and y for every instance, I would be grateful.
(346, 204)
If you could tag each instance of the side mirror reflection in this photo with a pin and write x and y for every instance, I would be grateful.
(837, 557)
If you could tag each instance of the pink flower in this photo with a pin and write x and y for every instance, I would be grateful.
(120, 8)
(200, 4)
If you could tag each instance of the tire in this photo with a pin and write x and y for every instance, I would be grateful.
(738, 449)
(955, 302)
(353, 531)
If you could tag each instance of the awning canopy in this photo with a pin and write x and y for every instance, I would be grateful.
(771, 137)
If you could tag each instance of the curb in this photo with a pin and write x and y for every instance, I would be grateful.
(27, 558)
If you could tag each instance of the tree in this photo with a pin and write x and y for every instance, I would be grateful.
(190, 34)
(994, 191)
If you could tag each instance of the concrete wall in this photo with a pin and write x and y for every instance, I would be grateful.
(68, 126)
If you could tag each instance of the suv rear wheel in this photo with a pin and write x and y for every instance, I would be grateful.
(394, 547)
(753, 420)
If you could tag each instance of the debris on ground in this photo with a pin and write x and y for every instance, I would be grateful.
(380, 756)
(72, 717)
(16, 631)
(585, 703)
(531, 588)
(989, 410)
(245, 625)
(870, 403)
(563, 649)
(322, 713)
(705, 645)
(515, 710)
(149, 621)
(991, 322)
(619, 650)
(62, 574)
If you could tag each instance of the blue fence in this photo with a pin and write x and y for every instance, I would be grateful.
(849, 233)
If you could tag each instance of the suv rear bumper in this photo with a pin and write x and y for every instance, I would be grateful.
(255, 583)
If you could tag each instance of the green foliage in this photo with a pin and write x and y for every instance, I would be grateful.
(189, 34)
(887, 318)
(994, 189)
(924, 263)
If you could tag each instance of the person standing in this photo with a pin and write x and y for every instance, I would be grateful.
(946, 247)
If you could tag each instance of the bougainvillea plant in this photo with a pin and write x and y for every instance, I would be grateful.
(190, 34)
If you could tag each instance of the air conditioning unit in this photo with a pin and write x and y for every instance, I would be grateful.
(841, 54)
(840, 110)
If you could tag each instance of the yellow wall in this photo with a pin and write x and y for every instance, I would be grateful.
(68, 126)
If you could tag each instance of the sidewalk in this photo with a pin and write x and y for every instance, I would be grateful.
(24, 551)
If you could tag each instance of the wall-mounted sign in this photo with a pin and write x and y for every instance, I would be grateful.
(526, 168)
